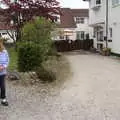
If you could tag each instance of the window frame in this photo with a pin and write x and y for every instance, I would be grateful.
(80, 35)
(111, 32)
(4, 33)
(98, 2)
(61, 37)
(115, 3)
(100, 35)
(80, 20)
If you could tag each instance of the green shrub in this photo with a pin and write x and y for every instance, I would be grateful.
(52, 51)
(29, 57)
(45, 75)
(39, 32)
(35, 45)
(13, 58)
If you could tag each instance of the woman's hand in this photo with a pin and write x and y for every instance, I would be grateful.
(1, 68)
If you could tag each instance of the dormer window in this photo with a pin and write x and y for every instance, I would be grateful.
(79, 20)
(98, 2)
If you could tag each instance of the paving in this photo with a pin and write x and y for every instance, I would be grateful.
(92, 92)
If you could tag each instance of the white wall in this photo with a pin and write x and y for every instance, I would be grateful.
(97, 15)
(86, 28)
(80, 27)
(115, 24)
(72, 35)
(83, 27)
(97, 18)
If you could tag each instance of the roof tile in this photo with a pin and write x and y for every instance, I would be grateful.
(67, 17)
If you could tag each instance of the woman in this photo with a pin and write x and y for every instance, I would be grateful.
(4, 60)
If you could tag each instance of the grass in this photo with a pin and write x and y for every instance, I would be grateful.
(13, 59)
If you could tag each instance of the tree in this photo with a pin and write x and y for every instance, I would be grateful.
(22, 11)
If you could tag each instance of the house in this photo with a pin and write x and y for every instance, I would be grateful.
(115, 26)
(105, 21)
(5, 30)
(73, 24)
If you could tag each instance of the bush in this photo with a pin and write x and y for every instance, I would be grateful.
(52, 51)
(39, 32)
(13, 58)
(29, 57)
(106, 51)
(36, 44)
(45, 75)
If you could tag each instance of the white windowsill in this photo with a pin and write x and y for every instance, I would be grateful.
(96, 6)
(116, 5)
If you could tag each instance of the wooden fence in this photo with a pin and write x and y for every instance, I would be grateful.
(69, 45)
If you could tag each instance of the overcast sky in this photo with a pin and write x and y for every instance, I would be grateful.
(73, 3)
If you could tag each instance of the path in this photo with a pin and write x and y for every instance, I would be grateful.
(92, 93)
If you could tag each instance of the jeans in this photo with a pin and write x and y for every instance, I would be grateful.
(2, 87)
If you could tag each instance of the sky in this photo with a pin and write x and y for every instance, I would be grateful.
(73, 3)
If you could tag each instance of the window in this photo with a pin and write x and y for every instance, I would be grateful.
(94, 32)
(80, 35)
(99, 46)
(80, 20)
(115, 2)
(98, 2)
(87, 36)
(110, 30)
(67, 37)
(57, 19)
(4, 33)
(61, 37)
(100, 36)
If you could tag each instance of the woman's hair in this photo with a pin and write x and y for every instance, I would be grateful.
(1, 45)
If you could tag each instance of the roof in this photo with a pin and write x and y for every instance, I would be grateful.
(3, 25)
(67, 17)
(80, 12)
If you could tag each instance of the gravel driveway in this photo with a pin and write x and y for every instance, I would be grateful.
(91, 93)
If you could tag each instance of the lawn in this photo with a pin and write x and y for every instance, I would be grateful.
(13, 59)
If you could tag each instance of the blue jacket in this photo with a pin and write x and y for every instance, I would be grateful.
(4, 61)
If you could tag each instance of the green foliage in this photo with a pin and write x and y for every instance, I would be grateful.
(38, 31)
(29, 57)
(13, 59)
(36, 44)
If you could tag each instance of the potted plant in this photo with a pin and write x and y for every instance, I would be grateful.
(106, 51)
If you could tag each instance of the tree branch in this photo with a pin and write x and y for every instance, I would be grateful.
(11, 34)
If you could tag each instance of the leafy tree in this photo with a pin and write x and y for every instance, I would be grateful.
(22, 11)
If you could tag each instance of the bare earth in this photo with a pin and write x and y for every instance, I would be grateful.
(91, 93)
